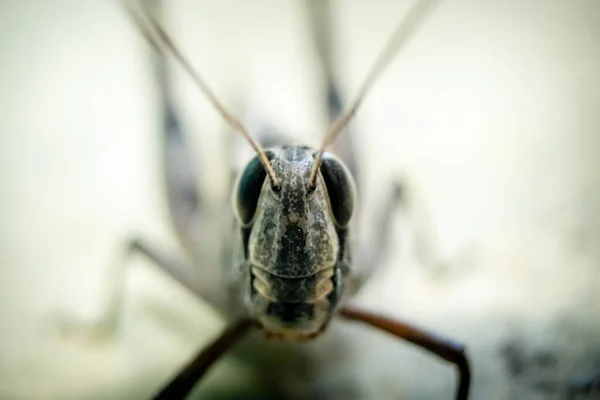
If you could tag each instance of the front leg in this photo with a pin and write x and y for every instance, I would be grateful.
(114, 289)
(183, 383)
(445, 348)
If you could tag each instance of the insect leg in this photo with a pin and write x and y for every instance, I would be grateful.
(373, 245)
(188, 377)
(114, 289)
(168, 263)
(321, 22)
(184, 201)
(445, 348)
(180, 164)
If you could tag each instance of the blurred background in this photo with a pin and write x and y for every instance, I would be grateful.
(491, 114)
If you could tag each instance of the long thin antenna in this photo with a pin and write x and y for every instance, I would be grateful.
(167, 43)
(413, 19)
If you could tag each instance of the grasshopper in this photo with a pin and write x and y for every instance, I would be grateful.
(289, 267)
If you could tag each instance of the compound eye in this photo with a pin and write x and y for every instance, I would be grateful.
(340, 188)
(248, 190)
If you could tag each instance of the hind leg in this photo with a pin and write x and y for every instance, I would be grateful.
(372, 245)
(185, 210)
(321, 22)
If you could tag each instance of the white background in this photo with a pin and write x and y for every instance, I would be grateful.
(492, 113)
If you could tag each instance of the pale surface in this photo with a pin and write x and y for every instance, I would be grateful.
(492, 113)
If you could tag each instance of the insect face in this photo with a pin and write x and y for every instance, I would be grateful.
(294, 240)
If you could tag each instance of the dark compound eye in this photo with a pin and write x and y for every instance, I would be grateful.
(340, 188)
(248, 190)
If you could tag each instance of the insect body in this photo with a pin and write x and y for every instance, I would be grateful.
(294, 241)
(293, 269)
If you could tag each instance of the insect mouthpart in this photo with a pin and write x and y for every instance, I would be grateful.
(293, 308)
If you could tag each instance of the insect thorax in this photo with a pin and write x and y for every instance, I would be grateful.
(293, 252)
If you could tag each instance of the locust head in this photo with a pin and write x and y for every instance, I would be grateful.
(294, 238)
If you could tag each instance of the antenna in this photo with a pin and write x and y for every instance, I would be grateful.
(411, 22)
(163, 42)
